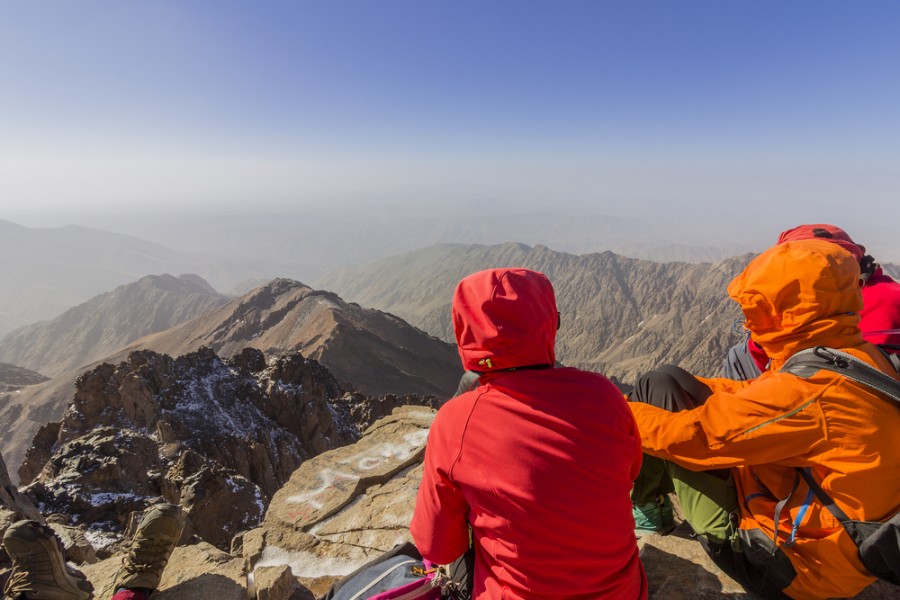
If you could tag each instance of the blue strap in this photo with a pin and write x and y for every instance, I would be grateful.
(802, 512)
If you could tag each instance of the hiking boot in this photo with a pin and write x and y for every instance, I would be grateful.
(39, 570)
(150, 548)
(653, 517)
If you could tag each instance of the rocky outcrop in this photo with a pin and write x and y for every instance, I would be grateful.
(343, 508)
(219, 436)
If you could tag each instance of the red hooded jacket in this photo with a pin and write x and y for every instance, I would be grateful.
(539, 460)
(879, 318)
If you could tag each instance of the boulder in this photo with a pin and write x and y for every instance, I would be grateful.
(196, 572)
(344, 507)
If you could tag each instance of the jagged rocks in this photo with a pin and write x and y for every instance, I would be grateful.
(362, 411)
(218, 436)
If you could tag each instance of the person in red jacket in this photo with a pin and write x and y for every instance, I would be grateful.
(879, 319)
(537, 460)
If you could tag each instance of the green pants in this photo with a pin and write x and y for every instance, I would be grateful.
(707, 500)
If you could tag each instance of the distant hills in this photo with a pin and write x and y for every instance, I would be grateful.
(13, 378)
(97, 328)
(49, 270)
(619, 315)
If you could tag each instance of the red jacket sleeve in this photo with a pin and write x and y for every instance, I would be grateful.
(439, 527)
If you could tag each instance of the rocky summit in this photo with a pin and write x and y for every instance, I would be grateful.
(347, 505)
(219, 436)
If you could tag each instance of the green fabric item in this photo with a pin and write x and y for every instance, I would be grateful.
(653, 517)
(707, 501)
(652, 482)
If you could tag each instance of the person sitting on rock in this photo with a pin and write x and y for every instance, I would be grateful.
(537, 460)
(729, 449)
(879, 318)
(40, 572)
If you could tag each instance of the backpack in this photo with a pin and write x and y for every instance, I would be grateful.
(400, 574)
(878, 542)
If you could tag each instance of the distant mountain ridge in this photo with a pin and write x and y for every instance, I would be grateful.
(106, 323)
(372, 351)
(13, 377)
(46, 271)
(619, 315)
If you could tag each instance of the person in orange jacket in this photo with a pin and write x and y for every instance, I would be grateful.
(879, 318)
(537, 459)
(729, 448)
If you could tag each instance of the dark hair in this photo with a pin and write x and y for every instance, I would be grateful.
(867, 266)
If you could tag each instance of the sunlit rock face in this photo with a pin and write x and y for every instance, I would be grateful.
(220, 436)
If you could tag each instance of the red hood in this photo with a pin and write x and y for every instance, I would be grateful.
(505, 318)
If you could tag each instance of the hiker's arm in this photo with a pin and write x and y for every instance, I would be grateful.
(771, 420)
(439, 527)
(723, 384)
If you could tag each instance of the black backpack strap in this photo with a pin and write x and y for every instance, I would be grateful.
(892, 353)
(779, 507)
(807, 362)
(824, 498)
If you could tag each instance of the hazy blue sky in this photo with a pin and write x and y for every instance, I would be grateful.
(781, 110)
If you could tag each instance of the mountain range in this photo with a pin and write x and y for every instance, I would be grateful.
(49, 270)
(367, 350)
(620, 316)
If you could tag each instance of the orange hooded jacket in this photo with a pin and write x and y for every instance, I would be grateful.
(795, 296)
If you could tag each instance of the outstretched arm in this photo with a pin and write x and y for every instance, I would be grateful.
(439, 526)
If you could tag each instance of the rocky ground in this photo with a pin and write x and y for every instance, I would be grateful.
(344, 507)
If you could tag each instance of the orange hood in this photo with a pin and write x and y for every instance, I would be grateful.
(505, 318)
(800, 294)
